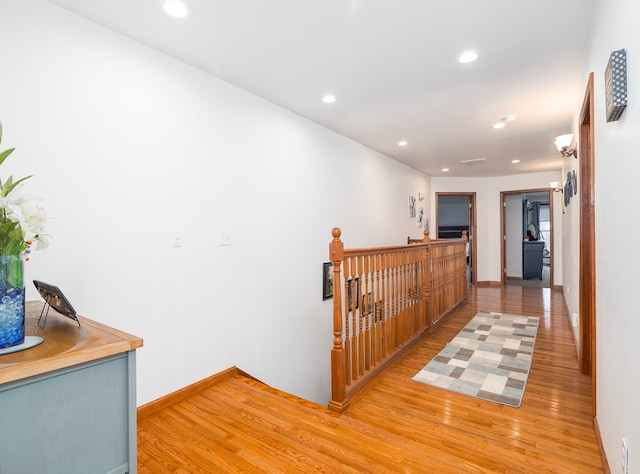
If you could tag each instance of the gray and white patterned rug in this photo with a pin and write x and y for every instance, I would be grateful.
(490, 358)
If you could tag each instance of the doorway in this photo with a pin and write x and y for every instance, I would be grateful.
(455, 213)
(527, 230)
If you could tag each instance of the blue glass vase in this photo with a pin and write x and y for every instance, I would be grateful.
(11, 300)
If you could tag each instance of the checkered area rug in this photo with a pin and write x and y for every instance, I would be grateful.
(490, 358)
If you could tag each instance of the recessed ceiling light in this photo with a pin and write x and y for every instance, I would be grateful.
(403, 143)
(515, 161)
(176, 8)
(468, 57)
(329, 99)
(445, 170)
(509, 118)
(499, 125)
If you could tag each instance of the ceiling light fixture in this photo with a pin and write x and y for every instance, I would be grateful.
(507, 119)
(403, 143)
(329, 99)
(445, 170)
(554, 186)
(467, 57)
(515, 161)
(176, 8)
(564, 144)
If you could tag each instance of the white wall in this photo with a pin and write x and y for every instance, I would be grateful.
(128, 146)
(488, 209)
(617, 225)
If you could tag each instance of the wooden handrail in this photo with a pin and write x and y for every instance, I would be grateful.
(383, 302)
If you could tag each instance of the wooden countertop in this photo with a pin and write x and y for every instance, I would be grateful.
(65, 344)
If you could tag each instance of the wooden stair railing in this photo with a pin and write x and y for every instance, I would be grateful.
(382, 303)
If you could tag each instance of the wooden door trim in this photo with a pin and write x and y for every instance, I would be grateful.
(587, 258)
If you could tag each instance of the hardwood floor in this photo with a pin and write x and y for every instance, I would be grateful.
(397, 425)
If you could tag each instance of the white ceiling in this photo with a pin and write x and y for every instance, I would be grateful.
(392, 65)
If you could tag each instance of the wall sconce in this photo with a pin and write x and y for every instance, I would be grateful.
(554, 185)
(564, 144)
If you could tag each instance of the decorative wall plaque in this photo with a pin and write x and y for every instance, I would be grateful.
(615, 81)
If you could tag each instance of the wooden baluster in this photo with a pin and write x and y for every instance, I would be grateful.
(348, 339)
(353, 292)
(427, 278)
(385, 305)
(366, 316)
(377, 309)
(392, 304)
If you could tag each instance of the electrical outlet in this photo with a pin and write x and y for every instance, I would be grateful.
(574, 320)
(176, 238)
(225, 237)
(625, 457)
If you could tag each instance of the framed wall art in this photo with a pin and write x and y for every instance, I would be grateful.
(412, 205)
(353, 287)
(327, 281)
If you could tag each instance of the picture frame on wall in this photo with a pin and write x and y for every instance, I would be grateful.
(327, 281)
(412, 205)
(367, 304)
(353, 287)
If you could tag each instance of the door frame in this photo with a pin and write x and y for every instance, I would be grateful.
(503, 247)
(472, 228)
(587, 258)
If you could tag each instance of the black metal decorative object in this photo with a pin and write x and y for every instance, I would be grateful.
(615, 80)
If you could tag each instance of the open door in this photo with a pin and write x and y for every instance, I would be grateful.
(527, 210)
(456, 212)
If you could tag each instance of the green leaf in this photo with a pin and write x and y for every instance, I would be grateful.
(8, 186)
(0, 132)
(15, 277)
(4, 154)
(11, 238)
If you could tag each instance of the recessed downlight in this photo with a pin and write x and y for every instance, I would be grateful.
(329, 99)
(504, 121)
(444, 170)
(467, 57)
(175, 8)
(403, 143)
(515, 161)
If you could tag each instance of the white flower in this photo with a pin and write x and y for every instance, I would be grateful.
(42, 241)
(22, 218)
(26, 211)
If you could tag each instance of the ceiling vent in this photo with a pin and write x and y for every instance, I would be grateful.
(474, 161)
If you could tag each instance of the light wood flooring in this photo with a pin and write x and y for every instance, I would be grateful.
(397, 425)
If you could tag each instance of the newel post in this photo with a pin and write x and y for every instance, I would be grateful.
(338, 365)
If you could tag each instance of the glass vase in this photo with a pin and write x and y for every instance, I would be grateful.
(11, 300)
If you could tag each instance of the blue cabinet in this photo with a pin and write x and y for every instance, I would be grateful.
(79, 417)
